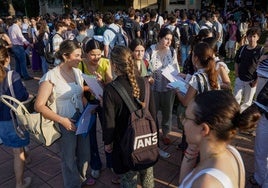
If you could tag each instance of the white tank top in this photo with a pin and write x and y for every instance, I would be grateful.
(219, 175)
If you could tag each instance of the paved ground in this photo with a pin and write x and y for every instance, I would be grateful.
(45, 166)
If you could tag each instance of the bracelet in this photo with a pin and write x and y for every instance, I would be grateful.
(191, 154)
(190, 158)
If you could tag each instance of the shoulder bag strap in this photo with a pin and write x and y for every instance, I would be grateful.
(10, 84)
(124, 95)
(147, 93)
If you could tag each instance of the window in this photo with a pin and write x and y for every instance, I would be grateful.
(177, 2)
(114, 2)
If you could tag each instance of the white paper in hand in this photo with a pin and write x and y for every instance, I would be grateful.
(179, 84)
(94, 85)
(171, 73)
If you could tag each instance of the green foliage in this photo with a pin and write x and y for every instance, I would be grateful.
(232, 73)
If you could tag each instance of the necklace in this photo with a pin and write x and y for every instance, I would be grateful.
(71, 78)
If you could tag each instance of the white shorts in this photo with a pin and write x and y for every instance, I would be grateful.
(231, 44)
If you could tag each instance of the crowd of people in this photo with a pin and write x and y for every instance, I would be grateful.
(133, 47)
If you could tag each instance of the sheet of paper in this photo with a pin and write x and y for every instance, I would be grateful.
(262, 73)
(171, 73)
(261, 106)
(84, 121)
(179, 84)
(94, 85)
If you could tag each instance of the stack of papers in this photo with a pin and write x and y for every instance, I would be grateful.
(176, 82)
(262, 69)
(180, 85)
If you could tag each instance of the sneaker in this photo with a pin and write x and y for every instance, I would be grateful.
(26, 183)
(89, 181)
(164, 154)
(95, 174)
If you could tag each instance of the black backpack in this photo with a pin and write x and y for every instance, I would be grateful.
(151, 34)
(120, 38)
(48, 50)
(139, 143)
(39, 45)
(129, 28)
(184, 31)
(83, 43)
(175, 39)
(212, 30)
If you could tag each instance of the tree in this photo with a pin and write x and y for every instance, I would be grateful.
(43, 7)
(11, 9)
(67, 6)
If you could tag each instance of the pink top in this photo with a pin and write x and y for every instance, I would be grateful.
(16, 36)
(232, 30)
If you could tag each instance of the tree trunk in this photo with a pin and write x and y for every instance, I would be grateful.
(11, 9)
(43, 7)
(67, 6)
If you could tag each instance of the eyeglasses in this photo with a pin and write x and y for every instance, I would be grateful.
(184, 118)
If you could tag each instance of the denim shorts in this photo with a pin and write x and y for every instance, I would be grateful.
(10, 138)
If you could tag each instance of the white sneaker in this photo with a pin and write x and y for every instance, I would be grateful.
(95, 174)
(164, 154)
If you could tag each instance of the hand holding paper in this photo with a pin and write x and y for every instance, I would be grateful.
(94, 85)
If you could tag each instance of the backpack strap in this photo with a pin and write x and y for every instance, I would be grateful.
(198, 78)
(126, 98)
(242, 49)
(205, 82)
(172, 51)
(83, 67)
(124, 95)
(112, 30)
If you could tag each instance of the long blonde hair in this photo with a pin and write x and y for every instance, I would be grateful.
(122, 57)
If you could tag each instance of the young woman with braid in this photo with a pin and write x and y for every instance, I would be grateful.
(116, 115)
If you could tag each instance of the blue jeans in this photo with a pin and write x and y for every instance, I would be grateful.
(95, 161)
(44, 64)
(75, 152)
(185, 49)
(20, 58)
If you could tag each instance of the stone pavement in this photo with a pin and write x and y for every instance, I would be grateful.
(45, 165)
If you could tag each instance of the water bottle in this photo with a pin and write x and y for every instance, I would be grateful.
(265, 183)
